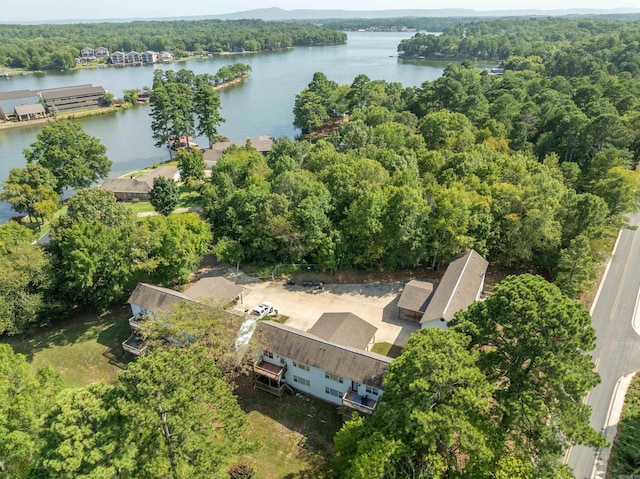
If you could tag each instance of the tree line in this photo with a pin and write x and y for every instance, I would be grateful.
(567, 47)
(49, 47)
(418, 175)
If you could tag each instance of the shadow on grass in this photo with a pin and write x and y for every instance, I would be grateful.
(112, 338)
(315, 421)
(107, 328)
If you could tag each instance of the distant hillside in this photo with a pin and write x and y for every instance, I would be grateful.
(307, 14)
(279, 14)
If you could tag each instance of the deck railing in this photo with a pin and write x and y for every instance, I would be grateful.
(135, 345)
(269, 370)
(363, 404)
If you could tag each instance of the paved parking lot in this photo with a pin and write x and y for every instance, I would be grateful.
(376, 303)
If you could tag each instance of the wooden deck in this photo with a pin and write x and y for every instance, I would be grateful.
(268, 370)
(363, 404)
(135, 344)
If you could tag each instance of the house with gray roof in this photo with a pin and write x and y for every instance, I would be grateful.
(345, 329)
(72, 97)
(29, 112)
(9, 100)
(414, 300)
(339, 374)
(262, 143)
(147, 299)
(461, 285)
(215, 289)
(126, 189)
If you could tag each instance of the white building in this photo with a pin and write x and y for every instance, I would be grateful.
(339, 374)
(101, 52)
(117, 58)
(149, 57)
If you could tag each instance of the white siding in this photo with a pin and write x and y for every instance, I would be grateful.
(318, 382)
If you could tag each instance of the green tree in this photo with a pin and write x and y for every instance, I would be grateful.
(99, 205)
(191, 164)
(75, 158)
(25, 282)
(176, 246)
(434, 419)
(309, 112)
(25, 395)
(160, 111)
(206, 105)
(170, 415)
(534, 345)
(576, 267)
(447, 130)
(94, 262)
(164, 195)
(205, 325)
(31, 190)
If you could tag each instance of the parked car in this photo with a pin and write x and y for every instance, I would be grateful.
(263, 309)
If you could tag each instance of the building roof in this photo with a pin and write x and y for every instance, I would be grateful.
(138, 184)
(358, 365)
(216, 288)
(71, 91)
(459, 287)
(33, 109)
(14, 95)
(262, 144)
(155, 298)
(127, 185)
(416, 295)
(346, 329)
(169, 172)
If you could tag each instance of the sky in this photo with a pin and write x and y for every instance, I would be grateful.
(41, 10)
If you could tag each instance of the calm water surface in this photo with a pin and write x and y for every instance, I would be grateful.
(261, 105)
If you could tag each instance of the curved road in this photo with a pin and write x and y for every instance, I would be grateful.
(617, 351)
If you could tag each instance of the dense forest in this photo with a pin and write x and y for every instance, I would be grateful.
(532, 170)
(567, 47)
(45, 47)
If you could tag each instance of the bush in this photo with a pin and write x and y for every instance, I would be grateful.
(135, 200)
(242, 470)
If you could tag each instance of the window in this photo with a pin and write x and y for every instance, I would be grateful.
(302, 366)
(333, 392)
(303, 381)
(372, 390)
(282, 361)
(268, 354)
(333, 377)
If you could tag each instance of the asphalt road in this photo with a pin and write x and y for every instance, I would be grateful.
(617, 350)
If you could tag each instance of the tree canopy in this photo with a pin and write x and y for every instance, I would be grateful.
(533, 344)
(75, 158)
(433, 418)
(171, 414)
(54, 46)
(25, 395)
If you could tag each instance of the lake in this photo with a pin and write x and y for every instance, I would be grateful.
(260, 105)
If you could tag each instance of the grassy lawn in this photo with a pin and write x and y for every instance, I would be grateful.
(33, 226)
(84, 350)
(387, 349)
(294, 434)
(187, 200)
(625, 455)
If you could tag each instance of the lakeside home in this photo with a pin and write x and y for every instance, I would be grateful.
(50, 101)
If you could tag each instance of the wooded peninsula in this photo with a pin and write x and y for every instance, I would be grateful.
(54, 47)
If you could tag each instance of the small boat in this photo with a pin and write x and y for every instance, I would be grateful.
(182, 142)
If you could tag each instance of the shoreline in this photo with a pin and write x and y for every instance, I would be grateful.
(103, 110)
